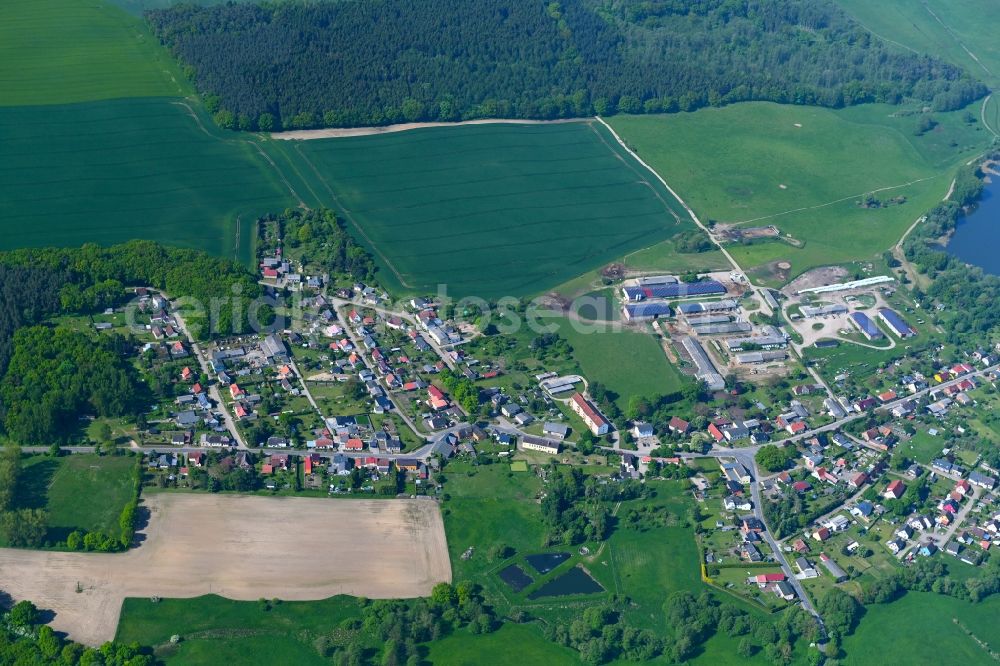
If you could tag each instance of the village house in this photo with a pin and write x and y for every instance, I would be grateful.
(593, 418)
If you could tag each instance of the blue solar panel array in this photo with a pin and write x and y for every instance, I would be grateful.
(897, 323)
(648, 310)
(866, 324)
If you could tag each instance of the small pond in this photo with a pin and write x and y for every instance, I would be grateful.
(546, 562)
(515, 578)
(574, 581)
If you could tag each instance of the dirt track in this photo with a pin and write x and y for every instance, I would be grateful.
(241, 548)
(341, 132)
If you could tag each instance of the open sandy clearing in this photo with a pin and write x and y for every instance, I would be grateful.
(241, 548)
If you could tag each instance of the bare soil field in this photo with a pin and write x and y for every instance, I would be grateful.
(241, 548)
(817, 277)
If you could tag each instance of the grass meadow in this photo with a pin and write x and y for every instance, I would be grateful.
(803, 169)
(80, 491)
(490, 210)
(217, 630)
(628, 362)
(65, 51)
(891, 633)
(110, 171)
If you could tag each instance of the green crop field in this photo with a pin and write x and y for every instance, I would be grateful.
(64, 51)
(85, 492)
(804, 170)
(924, 614)
(491, 210)
(110, 171)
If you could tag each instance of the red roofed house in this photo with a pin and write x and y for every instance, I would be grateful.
(309, 461)
(714, 431)
(764, 579)
(822, 534)
(888, 396)
(801, 486)
(590, 415)
(235, 391)
(858, 480)
(241, 411)
(678, 425)
(270, 272)
(323, 443)
(894, 490)
(354, 444)
(196, 458)
(796, 428)
(186, 374)
(196, 389)
(435, 398)
(963, 487)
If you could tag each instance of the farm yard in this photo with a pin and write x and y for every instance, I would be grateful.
(491, 210)
(240, 547)
(805, 170)
(110, 171)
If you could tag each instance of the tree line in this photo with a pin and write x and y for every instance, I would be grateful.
(272, 66)
(25, 639)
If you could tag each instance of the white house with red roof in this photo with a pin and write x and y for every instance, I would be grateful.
(894, 490)
(590, 415)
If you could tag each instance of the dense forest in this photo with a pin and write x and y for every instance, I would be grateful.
(51, 376)
(55, 375)
(371, 62)
(87, 278)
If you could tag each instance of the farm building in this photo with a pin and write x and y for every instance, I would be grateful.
(839, 575)
(704, 319)
(756, 357)
(657, 280)
(866, 326)
(895, 323)
(644, 311)
(702, 307)
(707, 371)
(723, 329)
(772, 339)
(844, 286)
(590, 415)
(823, 310)
(677, 290)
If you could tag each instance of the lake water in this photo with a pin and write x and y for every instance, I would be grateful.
(977, 236)
(574, 581)
(546, 562)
